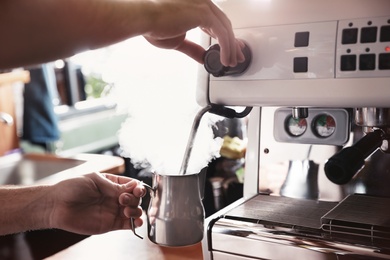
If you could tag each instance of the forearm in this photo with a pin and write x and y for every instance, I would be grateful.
(41, 30)
(24, 208)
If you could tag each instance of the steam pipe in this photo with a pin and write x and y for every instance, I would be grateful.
(215, 109)
(229, 112)
(342, 166)
(190, 143)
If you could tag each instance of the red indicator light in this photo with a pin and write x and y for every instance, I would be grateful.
(387, 48)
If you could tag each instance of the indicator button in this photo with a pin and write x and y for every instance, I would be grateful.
(368, 34)
(367, 62)
(301, 39)
(349, 36)
(300, 64)
(384, 61)
(348, 62)
(385, 33)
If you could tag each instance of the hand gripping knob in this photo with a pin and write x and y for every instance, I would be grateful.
(213, 65)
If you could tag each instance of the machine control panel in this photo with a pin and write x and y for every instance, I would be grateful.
(363, 48)
(334, 49)
(336, 63)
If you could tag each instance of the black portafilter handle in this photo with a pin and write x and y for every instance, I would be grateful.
(213, 65)
(342, 166)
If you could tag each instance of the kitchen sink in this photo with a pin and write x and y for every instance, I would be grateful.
(26, 169)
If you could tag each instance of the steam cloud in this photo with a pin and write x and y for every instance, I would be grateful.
(157, 88)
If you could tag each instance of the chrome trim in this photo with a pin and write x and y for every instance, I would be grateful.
(258, 241)
(372, 116)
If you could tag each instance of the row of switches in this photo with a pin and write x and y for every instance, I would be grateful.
(367, 35)
(366, 62)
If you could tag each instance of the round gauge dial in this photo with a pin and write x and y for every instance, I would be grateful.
(324, 125)
(296, 126)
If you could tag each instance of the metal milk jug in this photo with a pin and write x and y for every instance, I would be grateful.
(175, 214)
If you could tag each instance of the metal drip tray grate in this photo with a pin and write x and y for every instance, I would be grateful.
(282, 211)
(360, 218)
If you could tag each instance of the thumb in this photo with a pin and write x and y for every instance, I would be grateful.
(191, 49)
(169, 43)
(180, 43)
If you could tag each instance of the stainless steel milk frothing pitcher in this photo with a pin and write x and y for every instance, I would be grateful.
(175, 214)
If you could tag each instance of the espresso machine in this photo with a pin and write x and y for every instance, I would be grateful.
(317, 76)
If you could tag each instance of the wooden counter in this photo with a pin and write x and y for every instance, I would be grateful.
(118, 245)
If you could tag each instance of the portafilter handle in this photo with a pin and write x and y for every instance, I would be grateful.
(342, 166)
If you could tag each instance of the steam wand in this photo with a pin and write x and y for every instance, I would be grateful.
(215, 109)
(190, 143)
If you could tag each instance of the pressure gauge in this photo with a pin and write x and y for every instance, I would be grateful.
(324, 125)
(296, 126)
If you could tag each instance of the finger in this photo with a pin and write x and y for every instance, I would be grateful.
(226, 38)
(108, 183)
(240, 43)
(117, 178)
(139, 191)
(220, 35)
(224, 33)
(126, 199)
(138, 222)
(130, 212)
(240, 56)
(209, 32)
(193, 50)
(126, 223)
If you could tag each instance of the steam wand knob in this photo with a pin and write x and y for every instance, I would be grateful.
(342, 166)
(213, 65)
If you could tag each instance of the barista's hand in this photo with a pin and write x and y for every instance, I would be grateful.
(173, 18)
(96, 203)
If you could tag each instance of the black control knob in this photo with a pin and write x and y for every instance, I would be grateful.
(213, 65)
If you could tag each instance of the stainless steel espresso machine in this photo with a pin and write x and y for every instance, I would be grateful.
(317, 166)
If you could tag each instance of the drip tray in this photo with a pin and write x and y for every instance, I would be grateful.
(282, 211)
(360, 217)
